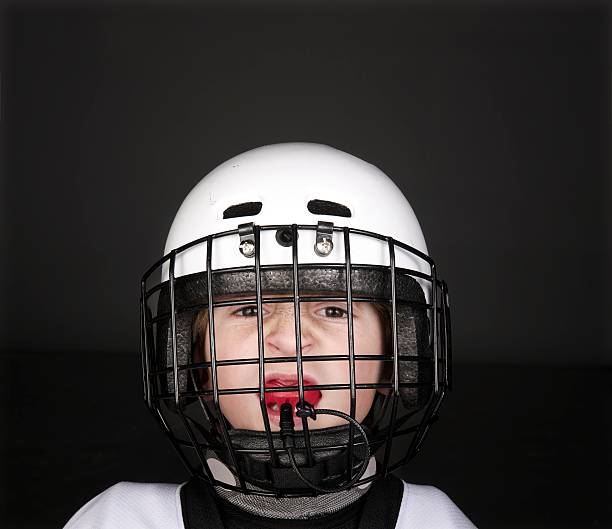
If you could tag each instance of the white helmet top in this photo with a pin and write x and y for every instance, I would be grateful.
(295, 183)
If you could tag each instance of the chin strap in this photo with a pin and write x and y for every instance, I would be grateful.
(287, 432)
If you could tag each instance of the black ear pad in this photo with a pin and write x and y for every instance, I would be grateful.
(165, 353)
(413, 341)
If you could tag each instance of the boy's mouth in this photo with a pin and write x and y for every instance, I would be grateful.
(275, 399)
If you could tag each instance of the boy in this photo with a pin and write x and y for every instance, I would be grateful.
(295, 352)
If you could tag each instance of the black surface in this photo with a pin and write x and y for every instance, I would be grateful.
(493, 121)
(515, 446)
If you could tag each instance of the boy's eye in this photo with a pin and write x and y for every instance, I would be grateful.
(334, 312)
(248, 311)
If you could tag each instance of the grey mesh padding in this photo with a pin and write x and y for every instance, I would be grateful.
(303, 508)
(373, 281)
(191, 295)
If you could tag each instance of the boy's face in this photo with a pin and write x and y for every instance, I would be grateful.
(324, 333)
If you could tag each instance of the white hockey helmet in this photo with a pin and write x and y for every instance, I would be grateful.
(234, 235)
(295, 183)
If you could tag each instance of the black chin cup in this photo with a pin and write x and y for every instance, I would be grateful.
(327, 468)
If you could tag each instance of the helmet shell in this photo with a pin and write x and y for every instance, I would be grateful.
(284, 178)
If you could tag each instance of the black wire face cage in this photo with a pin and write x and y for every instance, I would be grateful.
(182, 389)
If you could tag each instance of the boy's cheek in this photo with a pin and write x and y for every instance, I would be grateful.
(368, 372)
(233, 377)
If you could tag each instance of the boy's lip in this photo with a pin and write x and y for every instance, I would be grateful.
(275, 399)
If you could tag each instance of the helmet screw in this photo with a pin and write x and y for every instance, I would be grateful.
(324, 246)
(284, 237)
(247, 248)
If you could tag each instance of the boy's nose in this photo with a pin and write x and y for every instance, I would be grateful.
(279, 334)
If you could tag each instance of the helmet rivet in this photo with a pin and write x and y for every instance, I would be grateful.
(247, 248)
(284, 237)
(324, 246)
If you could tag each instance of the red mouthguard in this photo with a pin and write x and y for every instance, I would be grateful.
(274, 400)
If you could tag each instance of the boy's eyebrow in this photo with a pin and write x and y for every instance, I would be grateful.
(246, 209)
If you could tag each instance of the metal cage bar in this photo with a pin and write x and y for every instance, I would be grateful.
(284, 359)
(159, 419)
(213, 357)
(389, 443)
(298, 339)
(436, 342)
(330, 387)
(437, 395)
(448, 343)
(284, 299)
(269, 227)
(177, 392)
(260, 350)
(144, 345)
(154, 408)
(173, 329)
(351, 351)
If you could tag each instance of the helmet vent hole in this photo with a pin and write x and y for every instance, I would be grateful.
(326, 207)
(246, 209)
(284, 237)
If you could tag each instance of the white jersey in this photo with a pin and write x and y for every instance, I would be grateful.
(129, 505)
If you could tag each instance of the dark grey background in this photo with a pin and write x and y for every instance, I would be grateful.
(493, 120)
